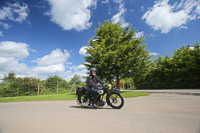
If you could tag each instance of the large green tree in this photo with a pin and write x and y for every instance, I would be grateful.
(116, 52)
(178, 71)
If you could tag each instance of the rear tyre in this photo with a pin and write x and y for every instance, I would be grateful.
(82, 101)
(80, 98)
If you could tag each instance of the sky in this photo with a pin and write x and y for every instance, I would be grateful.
(43, 38)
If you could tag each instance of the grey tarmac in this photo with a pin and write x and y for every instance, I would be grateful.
(157, 113)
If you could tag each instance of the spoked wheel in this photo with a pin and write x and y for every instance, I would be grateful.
(115, 100)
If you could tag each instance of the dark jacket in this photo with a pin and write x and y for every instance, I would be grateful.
(92, 82)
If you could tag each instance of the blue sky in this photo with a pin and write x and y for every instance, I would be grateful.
(41, 38)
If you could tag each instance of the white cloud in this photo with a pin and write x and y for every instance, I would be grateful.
(198, 11)
(183, 27)
(83, 51)
(79, 67)
(12, 64)
(50, 69)
(52, 63)
(153, 54)
(120, 16)
(139, 34)
(191, 48)
(5, 26)
(14, 49)
(55, 63)
(80, 70)
(71, 14)
(10, 54)
(13, 12)
(55, 57)
(163, 16)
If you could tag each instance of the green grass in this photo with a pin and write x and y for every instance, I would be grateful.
(66, 96)
(134, 94)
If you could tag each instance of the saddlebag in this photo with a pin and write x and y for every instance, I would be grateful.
(80, 90)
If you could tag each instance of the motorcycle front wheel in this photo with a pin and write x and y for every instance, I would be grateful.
(115, 100)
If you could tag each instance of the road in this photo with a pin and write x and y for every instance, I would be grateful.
(157, 113)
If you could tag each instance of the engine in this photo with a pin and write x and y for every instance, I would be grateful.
(101, 103)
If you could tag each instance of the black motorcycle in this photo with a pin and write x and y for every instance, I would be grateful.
(113, 97)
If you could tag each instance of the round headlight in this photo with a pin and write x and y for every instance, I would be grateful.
(109, 86)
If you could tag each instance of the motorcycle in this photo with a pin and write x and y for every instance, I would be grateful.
(113, 97)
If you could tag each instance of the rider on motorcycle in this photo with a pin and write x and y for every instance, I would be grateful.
(92, 84)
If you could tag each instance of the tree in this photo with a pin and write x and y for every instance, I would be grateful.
(116, 53)
(9, 77)
(20, 87)
(52, 82)
(178, 71)
(76, 78)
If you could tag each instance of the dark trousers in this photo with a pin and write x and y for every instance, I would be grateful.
(94, 92)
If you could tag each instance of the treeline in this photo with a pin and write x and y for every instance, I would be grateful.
(180, 71)
(27, 86)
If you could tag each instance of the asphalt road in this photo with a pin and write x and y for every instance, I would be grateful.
(157, 113)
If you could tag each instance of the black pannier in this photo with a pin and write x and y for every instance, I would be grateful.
(80, 90)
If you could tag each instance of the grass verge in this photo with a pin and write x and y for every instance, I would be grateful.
(66, 96)
(134, 94)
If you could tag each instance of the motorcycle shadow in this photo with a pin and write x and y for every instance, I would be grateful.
(80, 107)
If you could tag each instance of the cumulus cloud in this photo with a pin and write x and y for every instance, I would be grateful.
(50, 69)
(120, 16)
(14, 49)
(11, 64)
(163, 16)
(80, 70)
(52, 63)
(10, 55)
(83, 51)
(71, 14)
(55, 57)
(13, 12)
(55, 63)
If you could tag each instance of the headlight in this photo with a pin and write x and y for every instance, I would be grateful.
(100, 91)
(109, 86)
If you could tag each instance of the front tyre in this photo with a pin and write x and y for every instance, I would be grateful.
(115, 100)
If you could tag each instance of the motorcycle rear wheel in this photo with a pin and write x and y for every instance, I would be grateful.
(115, 100)
(82, 102)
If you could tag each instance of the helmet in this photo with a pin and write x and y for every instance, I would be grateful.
(93, 69)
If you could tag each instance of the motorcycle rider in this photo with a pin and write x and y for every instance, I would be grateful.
(92, 84)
